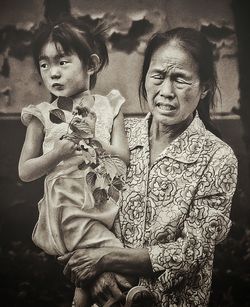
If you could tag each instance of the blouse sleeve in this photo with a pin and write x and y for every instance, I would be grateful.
(30, 111)
(116, 101)
(208, 223)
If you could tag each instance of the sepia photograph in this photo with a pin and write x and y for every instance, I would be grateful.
(124, 153)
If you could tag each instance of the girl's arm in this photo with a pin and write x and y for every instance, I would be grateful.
(119, 142)
(33, 165)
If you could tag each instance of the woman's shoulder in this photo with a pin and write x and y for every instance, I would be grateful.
(218, 147)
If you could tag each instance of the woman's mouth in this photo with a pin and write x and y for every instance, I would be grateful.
(165, 107)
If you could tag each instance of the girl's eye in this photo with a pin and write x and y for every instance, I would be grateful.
(43, 65)
(63, 62)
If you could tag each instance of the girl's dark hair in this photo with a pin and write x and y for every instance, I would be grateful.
(74, 36)
(196, 44)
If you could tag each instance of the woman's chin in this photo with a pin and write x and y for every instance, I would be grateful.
(164, 118)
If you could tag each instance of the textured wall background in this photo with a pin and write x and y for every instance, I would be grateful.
(132, 23)
(30, 278)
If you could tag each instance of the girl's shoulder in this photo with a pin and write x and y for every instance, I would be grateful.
(113, 101)
(39, 111)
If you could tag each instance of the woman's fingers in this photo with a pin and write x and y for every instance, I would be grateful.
(100, 294)
(122, 282)
(81, 266)
(105, 288)
(116, 291)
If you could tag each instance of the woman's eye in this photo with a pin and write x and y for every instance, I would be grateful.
(158, 77)
(180, 80)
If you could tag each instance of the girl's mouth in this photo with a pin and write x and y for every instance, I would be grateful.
(57, 86)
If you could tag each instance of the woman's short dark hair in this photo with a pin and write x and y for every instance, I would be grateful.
(195, 44)
(74, 36)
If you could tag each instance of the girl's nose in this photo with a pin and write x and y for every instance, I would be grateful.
(166, 89)
(55, 72)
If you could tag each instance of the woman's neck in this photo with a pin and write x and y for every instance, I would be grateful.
(167, 133)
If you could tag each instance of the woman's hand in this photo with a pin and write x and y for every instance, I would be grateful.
(83, 265)
(108, 286)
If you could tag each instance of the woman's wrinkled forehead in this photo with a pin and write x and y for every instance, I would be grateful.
(173, 43)
(172, 55)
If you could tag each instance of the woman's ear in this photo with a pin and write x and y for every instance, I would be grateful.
(94, 64)
(204, 91)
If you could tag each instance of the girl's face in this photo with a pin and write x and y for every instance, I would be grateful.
(62, 74)
(172, 85)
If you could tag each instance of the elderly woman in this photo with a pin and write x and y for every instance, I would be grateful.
(180, 181)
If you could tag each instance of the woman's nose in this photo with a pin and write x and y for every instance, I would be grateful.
(166, 89)
(55, 72)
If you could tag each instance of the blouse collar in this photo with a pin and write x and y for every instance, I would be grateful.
(185, 148)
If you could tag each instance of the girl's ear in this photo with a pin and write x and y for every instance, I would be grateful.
(94, 64)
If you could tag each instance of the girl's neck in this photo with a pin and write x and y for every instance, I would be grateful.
(83, 98)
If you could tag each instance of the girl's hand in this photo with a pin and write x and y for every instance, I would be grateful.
(84, 125)
(91, 121)
(65, 148)
(83, 265)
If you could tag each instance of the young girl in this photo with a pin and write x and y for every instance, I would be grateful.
(71, 132)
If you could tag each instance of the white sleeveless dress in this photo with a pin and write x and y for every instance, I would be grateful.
(68, 218)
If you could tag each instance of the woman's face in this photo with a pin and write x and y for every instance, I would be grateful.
(172, 85)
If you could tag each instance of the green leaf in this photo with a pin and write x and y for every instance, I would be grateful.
(80, 127)
(57, 116)
(117, 183)
(91, 179)
(114, 166)
(73, 137)
(113, 193)
(65, 103)
(83, 165)
(95, 144)
(83, 111)
(101, 182)
(100, 197)
(100, 151)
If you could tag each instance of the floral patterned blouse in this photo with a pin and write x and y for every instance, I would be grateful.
(178, 208)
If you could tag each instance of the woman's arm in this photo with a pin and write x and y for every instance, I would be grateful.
(127, 261)
(83, 265)
(207, 224)
(33, 165)
(119, 142)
